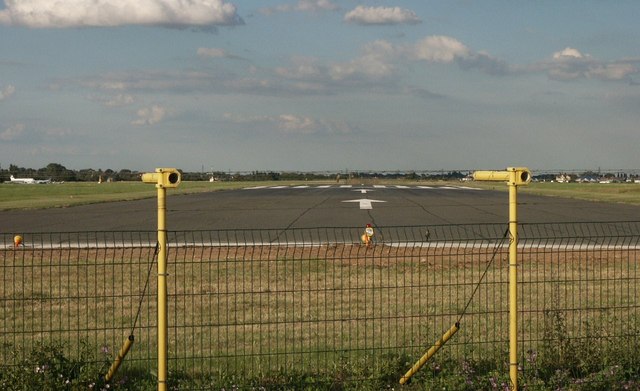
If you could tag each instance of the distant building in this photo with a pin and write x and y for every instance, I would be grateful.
(587, 179)
(563, 178)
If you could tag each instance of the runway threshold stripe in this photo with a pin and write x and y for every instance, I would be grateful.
(400, 187)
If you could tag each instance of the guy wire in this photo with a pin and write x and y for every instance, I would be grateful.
(146, 283)
(495, 252)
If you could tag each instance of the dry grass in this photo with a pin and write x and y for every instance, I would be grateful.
(263, 308)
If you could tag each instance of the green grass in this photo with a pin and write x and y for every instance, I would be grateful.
(59, 195)
(627, 193)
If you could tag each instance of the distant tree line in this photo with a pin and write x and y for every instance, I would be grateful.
(58, 173)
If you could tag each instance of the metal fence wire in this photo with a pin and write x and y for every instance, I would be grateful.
(307, 300)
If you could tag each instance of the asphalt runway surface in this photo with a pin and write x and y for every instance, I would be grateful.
(288, 207)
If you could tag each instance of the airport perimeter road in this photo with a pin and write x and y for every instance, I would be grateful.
(282, 207)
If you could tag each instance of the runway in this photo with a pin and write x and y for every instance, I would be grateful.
(289, 207)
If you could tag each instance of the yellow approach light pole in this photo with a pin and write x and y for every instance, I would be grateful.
(514, 176)
(163, 178)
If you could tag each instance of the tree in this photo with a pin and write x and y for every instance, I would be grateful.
(57, 172)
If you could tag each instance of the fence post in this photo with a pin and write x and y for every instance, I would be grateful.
(163, 178)
(514, 176)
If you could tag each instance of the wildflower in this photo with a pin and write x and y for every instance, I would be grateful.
(42, 369)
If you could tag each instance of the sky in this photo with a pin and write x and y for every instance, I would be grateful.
(320, 85)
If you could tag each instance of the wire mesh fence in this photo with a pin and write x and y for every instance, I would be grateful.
(249, 303)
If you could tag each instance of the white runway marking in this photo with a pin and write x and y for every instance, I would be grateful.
(398, 187)
(365, 203)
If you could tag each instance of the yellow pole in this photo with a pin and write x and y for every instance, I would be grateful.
(514, 176)
(163, 178)
(121, 354)
(162, 290)
(436, 346)
(513, 281)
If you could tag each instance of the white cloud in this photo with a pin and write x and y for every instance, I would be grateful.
(7, 91)
(303, 68)
(292, 123)
(99, 13)
(150, 115)
(212, 52)
(376, 62)
(444, 49)
(296, 124)
(381, 15)
(571, 64)
(614, 71)
(217, 53)
(439, 48)
(119, 100)
(315, 5)
(303, 6)
(567, 53)
(289, 123)
(12, 133)
(380, 61)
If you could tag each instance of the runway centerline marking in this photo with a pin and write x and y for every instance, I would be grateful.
(365, 203)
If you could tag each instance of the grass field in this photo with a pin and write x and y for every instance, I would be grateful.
(627, 193)
(245, 313)
(77, 193)
(58, 195)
